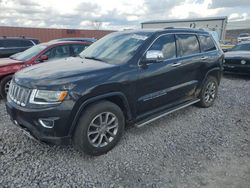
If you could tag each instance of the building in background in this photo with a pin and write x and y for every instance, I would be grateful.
(47, 34)
(228, 31)
(213, 24)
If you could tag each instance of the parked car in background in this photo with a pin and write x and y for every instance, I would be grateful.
(130, 77)
(243, 37)
(37, 54)
(13, 45)
(237, 59)
(92, 40)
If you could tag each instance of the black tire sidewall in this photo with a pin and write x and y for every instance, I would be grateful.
(2, 85)
(81, 138)
(202, 96)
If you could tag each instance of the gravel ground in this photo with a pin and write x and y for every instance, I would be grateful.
(193, 147)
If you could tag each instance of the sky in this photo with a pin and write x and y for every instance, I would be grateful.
(114, 14)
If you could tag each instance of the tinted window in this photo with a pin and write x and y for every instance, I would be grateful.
(244, 35)
(11, 43)
(188, 44)
(206, 43)
(166, 44)
(26, 43)
(58, 52)
(78, 48)
(1, 43)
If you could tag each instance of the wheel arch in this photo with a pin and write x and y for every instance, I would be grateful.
(117, 98)
(215, 72)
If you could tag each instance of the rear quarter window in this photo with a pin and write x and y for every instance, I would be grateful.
(206, 43)
(187, 44)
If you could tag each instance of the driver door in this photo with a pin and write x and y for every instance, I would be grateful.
(160, 82)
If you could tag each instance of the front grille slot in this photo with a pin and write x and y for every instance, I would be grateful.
(236, 61)
(18, 94)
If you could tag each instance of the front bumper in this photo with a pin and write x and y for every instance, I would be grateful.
(237, 69)
(28, 120)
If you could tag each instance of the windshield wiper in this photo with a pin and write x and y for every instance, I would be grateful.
(94, 58)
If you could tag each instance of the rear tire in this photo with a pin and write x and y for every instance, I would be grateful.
(4, 86)
(208, 92)
(99, 128)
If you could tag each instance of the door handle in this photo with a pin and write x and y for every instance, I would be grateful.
(176, 64)
(204, 58)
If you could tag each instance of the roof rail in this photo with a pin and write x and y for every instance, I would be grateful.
(22, 37)
(5, 37)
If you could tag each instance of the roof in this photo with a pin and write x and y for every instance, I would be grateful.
(54, 42)
(185, 20)
(77, 39)
(21, 37)
(166, 30)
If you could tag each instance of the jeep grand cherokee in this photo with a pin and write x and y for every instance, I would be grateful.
(129, 77)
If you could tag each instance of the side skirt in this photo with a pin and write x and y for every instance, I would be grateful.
(164, 113)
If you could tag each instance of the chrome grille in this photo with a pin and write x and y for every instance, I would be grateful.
(18, 94)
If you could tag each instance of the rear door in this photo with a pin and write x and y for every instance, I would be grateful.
(210, 55)
(191, 62)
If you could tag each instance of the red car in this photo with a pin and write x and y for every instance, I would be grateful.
(37, 54)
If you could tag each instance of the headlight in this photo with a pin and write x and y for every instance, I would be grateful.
(47, 97)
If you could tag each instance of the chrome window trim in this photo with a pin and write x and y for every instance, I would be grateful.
(196, 34)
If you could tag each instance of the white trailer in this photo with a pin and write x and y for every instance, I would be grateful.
(214, 24)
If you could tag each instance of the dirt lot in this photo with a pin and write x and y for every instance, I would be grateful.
(193, 147)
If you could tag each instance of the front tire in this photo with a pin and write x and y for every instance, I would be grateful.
(4, 86)
(208, 93)
(99, 128)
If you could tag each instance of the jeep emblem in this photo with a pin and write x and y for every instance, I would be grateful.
(243, 62)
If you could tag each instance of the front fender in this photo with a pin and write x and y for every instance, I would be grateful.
(81, 104)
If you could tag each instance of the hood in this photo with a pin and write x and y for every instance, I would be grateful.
(237, 54)
(63, 72)
(8, 61)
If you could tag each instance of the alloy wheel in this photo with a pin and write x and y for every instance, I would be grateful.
(210, 92)
(102, 129)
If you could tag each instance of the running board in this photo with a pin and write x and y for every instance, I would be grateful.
(169, 111)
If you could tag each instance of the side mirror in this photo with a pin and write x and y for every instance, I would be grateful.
(154, 55)
(43, 58)
(225, 50)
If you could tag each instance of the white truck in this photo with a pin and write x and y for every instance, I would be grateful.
(243, 37)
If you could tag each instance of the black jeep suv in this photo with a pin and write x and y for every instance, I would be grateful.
(130, 77)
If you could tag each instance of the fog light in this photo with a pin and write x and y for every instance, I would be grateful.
(47, 123)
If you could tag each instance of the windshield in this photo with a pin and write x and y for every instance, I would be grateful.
(115, 48)
(241, 47)
(30, 53)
